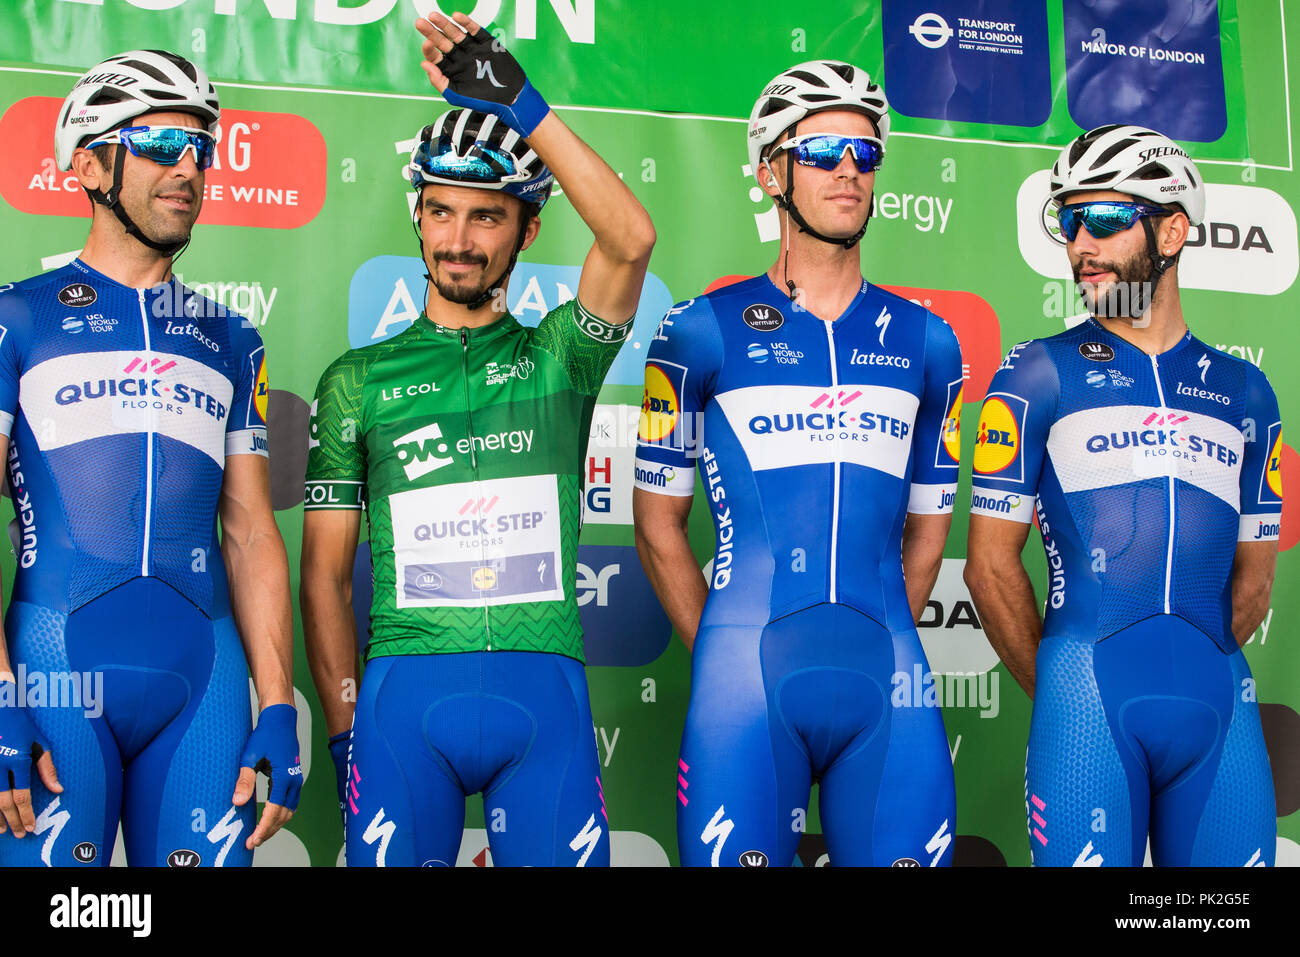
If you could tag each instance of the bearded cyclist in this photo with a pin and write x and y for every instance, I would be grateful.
(1153, 462)
(463, 438)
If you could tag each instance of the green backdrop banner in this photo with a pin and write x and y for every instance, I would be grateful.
(306, 230)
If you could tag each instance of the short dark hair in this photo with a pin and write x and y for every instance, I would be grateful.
(103, 153)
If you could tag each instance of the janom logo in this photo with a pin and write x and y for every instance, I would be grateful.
(998, 442)
(659, 406)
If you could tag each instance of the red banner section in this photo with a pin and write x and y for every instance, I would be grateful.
(269, 169)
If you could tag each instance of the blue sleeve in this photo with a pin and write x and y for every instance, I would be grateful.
(680, 370)
(1011, 443)
(15, 323)
(1261, 465)
(246, 427)
(936, 440)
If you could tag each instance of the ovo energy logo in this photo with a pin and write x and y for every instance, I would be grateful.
(659, 406)
(998, 440)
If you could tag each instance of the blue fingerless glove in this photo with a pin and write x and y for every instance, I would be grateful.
(340, 747)
(20, 745)
(272, 748)
(482, 75)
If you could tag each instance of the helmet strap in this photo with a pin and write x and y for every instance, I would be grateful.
(786, 202)
(1159, 263)
(109, 200)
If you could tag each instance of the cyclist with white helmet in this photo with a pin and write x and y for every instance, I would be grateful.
(133, 414)
(822, 413)
(1153, 463)
(463, 438)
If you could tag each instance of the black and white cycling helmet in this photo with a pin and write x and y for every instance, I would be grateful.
(810, 88)
(1133, 160)
(126, 86)
(469, 148)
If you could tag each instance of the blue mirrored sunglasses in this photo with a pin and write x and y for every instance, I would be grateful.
(481, 164)
(164, 145)
(826, 150)
(1103, 218)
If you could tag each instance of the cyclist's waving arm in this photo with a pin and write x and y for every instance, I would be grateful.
(473, 70)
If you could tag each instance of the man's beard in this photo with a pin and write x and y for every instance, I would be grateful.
(165, 228)
(460, 291)
(1129, 296)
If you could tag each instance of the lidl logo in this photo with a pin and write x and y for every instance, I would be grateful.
(998, 441)
(484, 578)
(660, 405)
(1274, 474)
(952, 428)
(261, 391)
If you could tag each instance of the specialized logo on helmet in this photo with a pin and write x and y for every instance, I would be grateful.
(660, 406)
(931, 30)
(763, 318)
(998, 441)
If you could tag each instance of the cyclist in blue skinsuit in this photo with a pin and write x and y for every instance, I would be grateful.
(132, 415)
(1153, 462)
(822, 412)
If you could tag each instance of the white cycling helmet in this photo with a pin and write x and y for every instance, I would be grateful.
(810, 88)
(1133, 160)
(126, 86)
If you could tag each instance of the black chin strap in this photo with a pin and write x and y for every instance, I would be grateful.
(785, 202)
(109, 200)
(1159, 265)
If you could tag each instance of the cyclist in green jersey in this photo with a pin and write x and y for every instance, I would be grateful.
(462, 438)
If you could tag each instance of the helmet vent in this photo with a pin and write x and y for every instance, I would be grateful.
(147, 70)
(774, 105)
(1111, 152)
(1151, 171)
(165, 95)
(806, 77)
(107, 96)
(845, 71)
(820, 97)
(1102, 180)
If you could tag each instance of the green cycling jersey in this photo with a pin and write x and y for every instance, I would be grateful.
(465, 447)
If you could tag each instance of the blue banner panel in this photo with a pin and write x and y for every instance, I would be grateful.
(973, 61)
(1153, 63)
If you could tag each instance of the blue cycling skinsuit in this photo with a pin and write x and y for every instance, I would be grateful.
(121, 406)
(1146, 471)
(814, 440)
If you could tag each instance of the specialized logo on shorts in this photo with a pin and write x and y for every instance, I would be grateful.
(1096, 351)
(183, 857)
(997, 444)
(660, 402)
(763, 318)
(753, 859)
(261, 391)
(1273, 474)
(77, 295)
